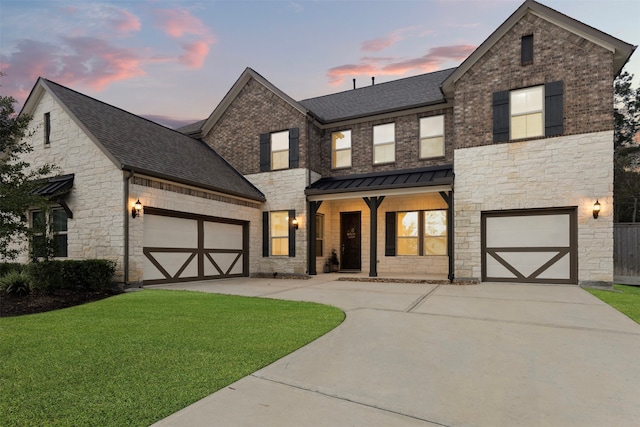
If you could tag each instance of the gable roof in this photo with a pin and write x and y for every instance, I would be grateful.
(402, 94)
(140, 145)
(621, 50)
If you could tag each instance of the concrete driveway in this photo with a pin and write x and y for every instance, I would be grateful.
(438, 355)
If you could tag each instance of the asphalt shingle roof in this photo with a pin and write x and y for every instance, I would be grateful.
(147, 147)
(380, 98)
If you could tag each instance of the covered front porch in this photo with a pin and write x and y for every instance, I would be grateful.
(383, 224)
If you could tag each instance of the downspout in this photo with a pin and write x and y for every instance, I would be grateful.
(126, 179)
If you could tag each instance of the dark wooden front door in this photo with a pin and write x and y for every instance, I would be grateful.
(350, 238)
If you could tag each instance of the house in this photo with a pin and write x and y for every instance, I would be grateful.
(498, 170)
(199, 212)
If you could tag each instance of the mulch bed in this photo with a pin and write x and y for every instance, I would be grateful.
(14, 305)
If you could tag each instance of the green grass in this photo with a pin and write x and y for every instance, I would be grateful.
(135, 358)
(625, 299)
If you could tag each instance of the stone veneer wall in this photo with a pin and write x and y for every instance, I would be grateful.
(585, 68)
(256, 110)
(162, 194)
(96, 229)
(554, 172)
(284, 190)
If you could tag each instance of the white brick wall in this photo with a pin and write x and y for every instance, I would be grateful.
(284, 190)
(96, 230)
(555, 172)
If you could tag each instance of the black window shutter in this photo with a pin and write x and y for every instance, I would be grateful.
(294, 147)
(265, 152)
(526, 50)
(553, 106)
(265, 234)
(292, 234)
(501, 116)
(390, 234)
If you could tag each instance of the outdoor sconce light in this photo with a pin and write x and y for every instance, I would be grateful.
(294, 223)
(135, 210)
(596, 209)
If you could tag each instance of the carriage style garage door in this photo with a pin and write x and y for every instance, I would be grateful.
(180, 247)
(530, 246)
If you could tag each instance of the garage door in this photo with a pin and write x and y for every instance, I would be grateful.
(530, 246)
(180, 247)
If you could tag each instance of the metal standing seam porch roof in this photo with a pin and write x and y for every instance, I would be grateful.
(55, 186)
(431, 179)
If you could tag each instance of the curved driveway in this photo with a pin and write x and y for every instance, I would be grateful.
(438, 355)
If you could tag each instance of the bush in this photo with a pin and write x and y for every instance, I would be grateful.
(10, 267)
(78, 275)
(16, 283)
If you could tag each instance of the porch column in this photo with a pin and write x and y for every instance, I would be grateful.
(373, 203)
(311, 237)
(448, 198)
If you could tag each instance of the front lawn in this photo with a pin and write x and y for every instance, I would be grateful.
(625, 299)
(138, 357)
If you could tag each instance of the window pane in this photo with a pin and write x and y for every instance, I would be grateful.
(534, 125)
(435, 245)
(280, 246)
(384, 153)
(59, 220)
(518, 127)
(407, 246)
(435, 223)
(342, 159)
(431, 126)
(37, 219)
(341, 140)
(407, 224)
(527, 100)
(60, 245)
(432, 147)
(527, 126)
(280, 160)
(279, 224)
(280, 141)
(384, 133)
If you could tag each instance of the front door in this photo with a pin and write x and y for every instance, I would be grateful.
(350, 241)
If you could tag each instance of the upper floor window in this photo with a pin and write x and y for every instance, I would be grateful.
(527, 112)
(526, 50)
(384, 143)
(279, 150)
(50, 238)
(431, 137)
(341, 149)
(47, 128)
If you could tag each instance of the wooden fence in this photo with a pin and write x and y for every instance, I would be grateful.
(626, 253)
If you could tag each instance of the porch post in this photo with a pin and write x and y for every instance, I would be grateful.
(311, 237)
(448, 198)
(373, 203)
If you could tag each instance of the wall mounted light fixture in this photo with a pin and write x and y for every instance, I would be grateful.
(135, 210)
(596, 209)
(294, 223)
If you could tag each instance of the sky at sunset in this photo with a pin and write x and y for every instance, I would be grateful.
(173, 61)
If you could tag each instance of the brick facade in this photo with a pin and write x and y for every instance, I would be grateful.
(585, 68)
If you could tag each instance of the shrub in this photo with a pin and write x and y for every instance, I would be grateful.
(9, 267)
(79, 275)
(16, 283)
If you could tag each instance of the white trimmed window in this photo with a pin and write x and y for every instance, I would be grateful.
(280, 150)
(279, 233)
(341, 149)
(431, 137)
(384, 143)
(527, 112)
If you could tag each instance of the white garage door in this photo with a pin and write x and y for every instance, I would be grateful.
(530, 246)
(182, 247)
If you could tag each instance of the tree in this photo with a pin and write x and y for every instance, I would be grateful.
(17, 180)
(627, 149)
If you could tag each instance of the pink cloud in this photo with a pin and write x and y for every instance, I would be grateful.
(180, 24)
(381, 43)
(125, 21)
(432, 61)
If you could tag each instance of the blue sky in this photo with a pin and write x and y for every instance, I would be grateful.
(173, 61)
